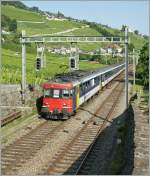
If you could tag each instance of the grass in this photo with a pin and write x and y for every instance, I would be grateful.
(48, 27)
(20, 14)
(136, 40)
(143, 94)
(84, 32)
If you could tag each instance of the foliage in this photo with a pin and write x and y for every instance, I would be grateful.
(142, 67)
(145, 37)
(13, 26)
(15, 4)
(5, 21)
(123, 28)
(131, 47)
(136, 32)
(8, 24)
(59, 14)
(99, 29)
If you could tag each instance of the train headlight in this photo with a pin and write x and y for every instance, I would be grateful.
(64, 105)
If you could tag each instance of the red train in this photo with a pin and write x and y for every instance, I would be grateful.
(63, 95)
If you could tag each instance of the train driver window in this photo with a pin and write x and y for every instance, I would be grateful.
(65, 93)
(56, 93)
(47, 92)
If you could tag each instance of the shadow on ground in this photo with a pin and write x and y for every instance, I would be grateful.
(109, 155)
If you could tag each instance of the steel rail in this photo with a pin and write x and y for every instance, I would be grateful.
(10, 118)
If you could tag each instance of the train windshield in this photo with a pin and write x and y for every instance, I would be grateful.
(58, 93)
(53, 93)
(65, 93)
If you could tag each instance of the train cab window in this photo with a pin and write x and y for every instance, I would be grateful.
(56, 93)
(47, 92)
(65, 93)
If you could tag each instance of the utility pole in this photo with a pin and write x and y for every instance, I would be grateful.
(126, 64)
(133, 67)
(23, 67)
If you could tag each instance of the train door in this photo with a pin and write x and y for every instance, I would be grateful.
(74, 99)
(77, 96)
(100, 82)
(103, 80)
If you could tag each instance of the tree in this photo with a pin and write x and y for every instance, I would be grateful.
(36, 9)
(145, 37)
(5, 21)
(59, 14)
(130, 47)
(136, 32)
(15, 4)
(13, 26)
(123, 28)
(142, 67)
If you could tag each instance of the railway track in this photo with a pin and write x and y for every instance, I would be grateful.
(17, 153)
(71, 159)
(10, 118)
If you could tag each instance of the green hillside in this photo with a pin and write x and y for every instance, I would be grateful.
(47, 27)
(35, 23)
(29, 20)
(44, 26)
(19, 14)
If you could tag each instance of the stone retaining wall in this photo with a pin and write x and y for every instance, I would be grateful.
(141, 143)
(11, 99)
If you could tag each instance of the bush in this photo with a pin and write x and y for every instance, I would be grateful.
(13, 26)
(8, 24)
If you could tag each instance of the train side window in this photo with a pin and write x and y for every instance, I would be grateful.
(82, 89)
(96, 80)
(103, 77)
(92, 82)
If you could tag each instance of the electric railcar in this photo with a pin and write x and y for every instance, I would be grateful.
(64, 95)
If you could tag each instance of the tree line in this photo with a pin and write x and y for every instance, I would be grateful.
(142, 71)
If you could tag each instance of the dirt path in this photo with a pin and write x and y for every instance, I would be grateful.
(66, 31)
